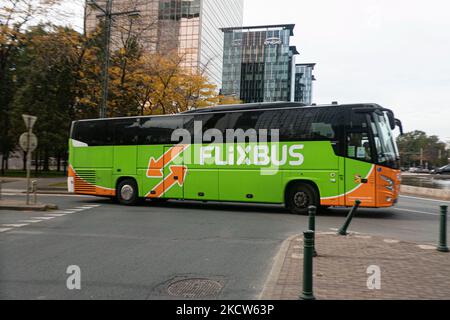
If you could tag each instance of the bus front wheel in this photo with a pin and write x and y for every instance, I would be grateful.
(300, 196)
(127, 192)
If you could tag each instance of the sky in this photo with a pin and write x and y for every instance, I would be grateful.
(392, 52)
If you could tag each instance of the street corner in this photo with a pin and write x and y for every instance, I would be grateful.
(17, 205)
(361, 267)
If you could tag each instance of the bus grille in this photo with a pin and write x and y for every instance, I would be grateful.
(85, 181)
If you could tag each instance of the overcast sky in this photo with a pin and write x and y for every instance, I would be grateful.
(392, 52)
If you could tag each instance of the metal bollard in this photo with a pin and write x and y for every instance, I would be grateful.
(308, 250)
(443, 231)
(312, 210)
(34, 190)
(343, 230)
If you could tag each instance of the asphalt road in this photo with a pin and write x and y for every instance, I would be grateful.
(135, 253)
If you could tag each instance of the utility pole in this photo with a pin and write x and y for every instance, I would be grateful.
(109, 17)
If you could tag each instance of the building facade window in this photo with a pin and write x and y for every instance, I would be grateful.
(257, 63)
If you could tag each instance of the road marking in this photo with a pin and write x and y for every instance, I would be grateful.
(78, 210)
(5, 229)
(30, 221)
(417, 198)
(14, 225)
(56, 215)
(63, 212)
(417, 212)
(427, 247)
(390, 241)
(44, 218)
(92, 206)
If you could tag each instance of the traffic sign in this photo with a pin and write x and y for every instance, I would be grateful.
(28, 142)
(29, 121)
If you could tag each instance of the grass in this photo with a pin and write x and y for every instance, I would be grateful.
(40, 174)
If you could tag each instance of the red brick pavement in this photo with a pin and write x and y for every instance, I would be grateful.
(340, 271)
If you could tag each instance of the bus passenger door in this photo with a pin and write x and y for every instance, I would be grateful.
(174, 174)
(360, 175)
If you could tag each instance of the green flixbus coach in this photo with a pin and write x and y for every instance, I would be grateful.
(274, 153)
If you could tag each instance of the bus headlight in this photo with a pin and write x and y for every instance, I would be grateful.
(391, 183)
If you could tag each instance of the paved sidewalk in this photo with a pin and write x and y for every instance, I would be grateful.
(44, 185)
(408, 271)
(22, 206)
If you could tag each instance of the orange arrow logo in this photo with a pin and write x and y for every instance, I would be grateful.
(156, 167)
(177, 176)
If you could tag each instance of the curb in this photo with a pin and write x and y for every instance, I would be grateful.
(276, 269)
(43, 207)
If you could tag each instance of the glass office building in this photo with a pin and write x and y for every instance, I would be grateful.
(304, 82)
(190, 27)
(258, 63)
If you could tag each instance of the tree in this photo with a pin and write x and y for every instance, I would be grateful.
(15, 16)
(47, 87)
(418, 148)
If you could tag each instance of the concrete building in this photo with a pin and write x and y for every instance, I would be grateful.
(258, 63)
(191, 27)
(303, 85)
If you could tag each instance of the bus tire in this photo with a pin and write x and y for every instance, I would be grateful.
(127, 192)
(300, 196)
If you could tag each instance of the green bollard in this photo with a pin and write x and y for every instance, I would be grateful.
(443, 234)
(312, 210)
(308, 250)
(343, 230)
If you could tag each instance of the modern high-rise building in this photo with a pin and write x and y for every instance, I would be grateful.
(191, 27)
(258, 63)
(304, 82)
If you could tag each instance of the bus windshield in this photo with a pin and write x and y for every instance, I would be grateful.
(386, 147)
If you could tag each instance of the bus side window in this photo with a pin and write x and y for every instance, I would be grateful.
(93, 133)
(159, 130)
(208, 121)
(126, 132)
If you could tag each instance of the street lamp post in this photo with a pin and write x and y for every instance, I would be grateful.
(109, 17)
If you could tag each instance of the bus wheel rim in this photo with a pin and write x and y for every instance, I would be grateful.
(127, 192)
(301, 199)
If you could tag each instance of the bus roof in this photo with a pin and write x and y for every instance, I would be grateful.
(252, 107)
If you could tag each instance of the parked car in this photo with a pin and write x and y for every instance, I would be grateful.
(443, 170)
(418, 170)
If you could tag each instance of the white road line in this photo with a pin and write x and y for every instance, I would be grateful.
(44, 218)
(62, 212)
(56, 215)
(432, 200)
(14, 225)
(93, 206)
(78, 210)
(417, 212)
(30, 221)
(5, 229)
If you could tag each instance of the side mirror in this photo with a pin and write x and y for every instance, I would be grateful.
(399, 124)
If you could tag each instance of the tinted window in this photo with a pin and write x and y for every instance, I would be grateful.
(159, 130)
(303, 124)
(244, 120)
(126, 132)
(93, 133)
(216, 121)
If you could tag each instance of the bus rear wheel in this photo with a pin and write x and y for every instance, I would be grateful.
(127, 192)
(299, 197)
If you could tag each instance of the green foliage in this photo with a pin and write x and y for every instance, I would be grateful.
(416, 147)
